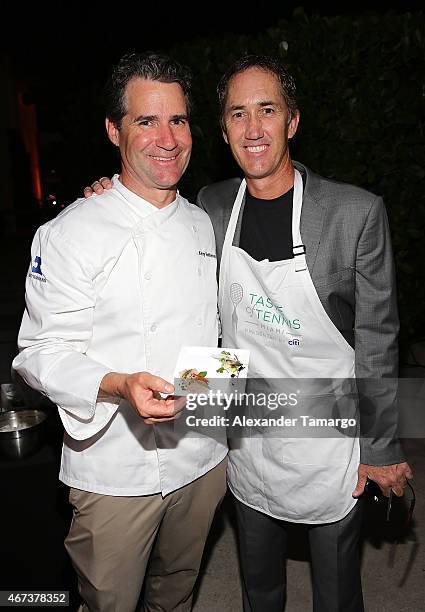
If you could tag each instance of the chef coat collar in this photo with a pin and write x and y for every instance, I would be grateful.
(141, 207)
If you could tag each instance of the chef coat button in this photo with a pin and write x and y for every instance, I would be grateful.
(153, 328)
(199, 321)
(195, 229)
(148, 276)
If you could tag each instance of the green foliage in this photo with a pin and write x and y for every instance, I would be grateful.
(361, 93)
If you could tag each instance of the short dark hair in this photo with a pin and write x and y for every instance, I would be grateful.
(263, 62)
(151, 66)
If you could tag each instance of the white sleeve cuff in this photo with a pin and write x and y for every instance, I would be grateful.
(81, 429)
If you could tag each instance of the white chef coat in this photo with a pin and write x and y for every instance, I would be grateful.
(272, 309)
(117, 284)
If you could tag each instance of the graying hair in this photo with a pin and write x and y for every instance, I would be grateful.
(263, 62)
(151, 66)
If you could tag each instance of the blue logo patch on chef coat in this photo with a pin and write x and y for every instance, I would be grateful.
(36, 272)
(37, 265)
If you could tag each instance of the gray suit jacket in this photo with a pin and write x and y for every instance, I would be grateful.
(348, 250)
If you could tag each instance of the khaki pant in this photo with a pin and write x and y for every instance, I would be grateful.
(112, 539)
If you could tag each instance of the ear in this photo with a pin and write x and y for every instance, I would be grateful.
(293, 124)
(113, 132)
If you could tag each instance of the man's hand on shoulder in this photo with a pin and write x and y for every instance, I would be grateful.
(387, 477)
(98, 187)
(142, 391)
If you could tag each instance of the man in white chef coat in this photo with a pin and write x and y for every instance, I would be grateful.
(115, 288)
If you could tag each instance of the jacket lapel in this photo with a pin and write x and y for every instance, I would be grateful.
(312, 214)
(237, 236)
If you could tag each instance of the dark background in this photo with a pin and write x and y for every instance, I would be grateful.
(360, 72)
(360, 75)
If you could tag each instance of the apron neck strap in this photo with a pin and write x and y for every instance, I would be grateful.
(298, 247)
(231, 227)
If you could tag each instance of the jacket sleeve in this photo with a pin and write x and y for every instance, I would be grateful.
(376, 341)
(199, 201)
(56, 331)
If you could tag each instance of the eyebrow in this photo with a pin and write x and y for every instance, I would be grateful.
(261, 103)
(155, 117)
(145, 118)
(180, 116)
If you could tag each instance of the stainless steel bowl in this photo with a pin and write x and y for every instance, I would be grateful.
(21, 432)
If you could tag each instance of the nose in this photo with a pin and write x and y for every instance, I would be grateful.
(166, 138)
(254, 128)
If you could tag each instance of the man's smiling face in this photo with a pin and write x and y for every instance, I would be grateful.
(154, 138)
(256, 123)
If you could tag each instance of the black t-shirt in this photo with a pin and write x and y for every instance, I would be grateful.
(266, 231)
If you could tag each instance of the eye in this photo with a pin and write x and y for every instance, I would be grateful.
(267, 110)
(237, 115)
(179, 121)
(144, 122)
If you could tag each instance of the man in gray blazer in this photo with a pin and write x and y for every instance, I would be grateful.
(345, 236)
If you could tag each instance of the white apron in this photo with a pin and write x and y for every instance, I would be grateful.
(272, 309)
